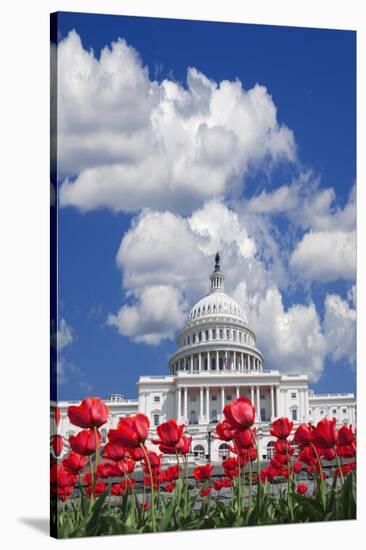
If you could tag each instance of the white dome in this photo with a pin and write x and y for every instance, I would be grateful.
(217, 303)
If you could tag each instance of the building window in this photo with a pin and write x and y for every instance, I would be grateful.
(193, 418)
(214, 398)
(206, 333)
(221, 334)
(322, 412)
(200, 336)
(229, 397)
(156, 420)
(193, 338)
(263, 414)
(334, 411)
(294, 414)
(227, 334)
(293, 395)
(214, 334)
(199, 451)
(189, 340)
(224, 451)
(104, 435)
(214, 415)
(234, 335)
(156, 399)
(193, 397)
(344, 411)
(270, 450)
(263, 396)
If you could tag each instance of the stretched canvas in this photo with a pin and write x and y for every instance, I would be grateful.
(203, 275)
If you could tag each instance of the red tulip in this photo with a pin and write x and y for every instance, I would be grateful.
(169, 487)
(346, 451)
(327, 454)
(297, 467)
(145, 505)
(99, 489)
(301, 488)
(325, 434)
(170, 434)
(114, 452)
(124, 467)
(226, 482)
(57, 444)
(131, 432)
(307, 456)
(91, 413)
(281, 428)
(346, 435)
(118, 489)
(245, 439)
(184, 444)
(137, 454)
(205, 491)
(224, 431)
(60, 477)
(155, 462)
(87, 478)
(230, 466)
(105, 470)
(218, 485)
(74, 463)
(203, 472)
(171, 473)
(282, 446)
(85, 442)
(303, 435)
(64, 493)
(240, 413)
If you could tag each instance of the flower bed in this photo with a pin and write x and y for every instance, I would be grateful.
(87, 500)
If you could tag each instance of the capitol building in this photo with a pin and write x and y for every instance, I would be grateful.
(218, 360)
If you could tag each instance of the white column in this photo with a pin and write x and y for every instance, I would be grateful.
(208, 361)
(179, 404)
(217, 360)
(272, 403)
(185, 363)
(222, 399)
(252, 394)
(191, 363)
(242, 362)
(185, 404)
(199, 361)
(208, 404)
(237, 391)
(234, 360)
(226, 357)
(277, 413)
(201, 403)
(258, 405)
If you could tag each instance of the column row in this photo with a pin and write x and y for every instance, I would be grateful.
(217, 360)
(207, 403)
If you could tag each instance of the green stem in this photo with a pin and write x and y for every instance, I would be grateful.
(151, 488)
(250, 484)
(92, 479)
(239, 477)
(320, 474)
(339, 466)
(186, 487)
(289, 495)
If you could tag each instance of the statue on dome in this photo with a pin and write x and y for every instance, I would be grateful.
(217, 261)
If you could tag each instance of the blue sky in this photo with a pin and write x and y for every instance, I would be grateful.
(285, 187)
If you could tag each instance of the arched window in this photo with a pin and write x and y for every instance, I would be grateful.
(199, 451)
(234, 335)
(206, 335)
(200, 336)
(227, 334)
(224, 451)
(270, 450)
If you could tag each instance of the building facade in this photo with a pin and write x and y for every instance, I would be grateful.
(218, 360)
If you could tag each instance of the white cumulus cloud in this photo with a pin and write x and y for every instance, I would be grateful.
(127, 142)
(325, 256)
(340, 329)
(64, 335)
